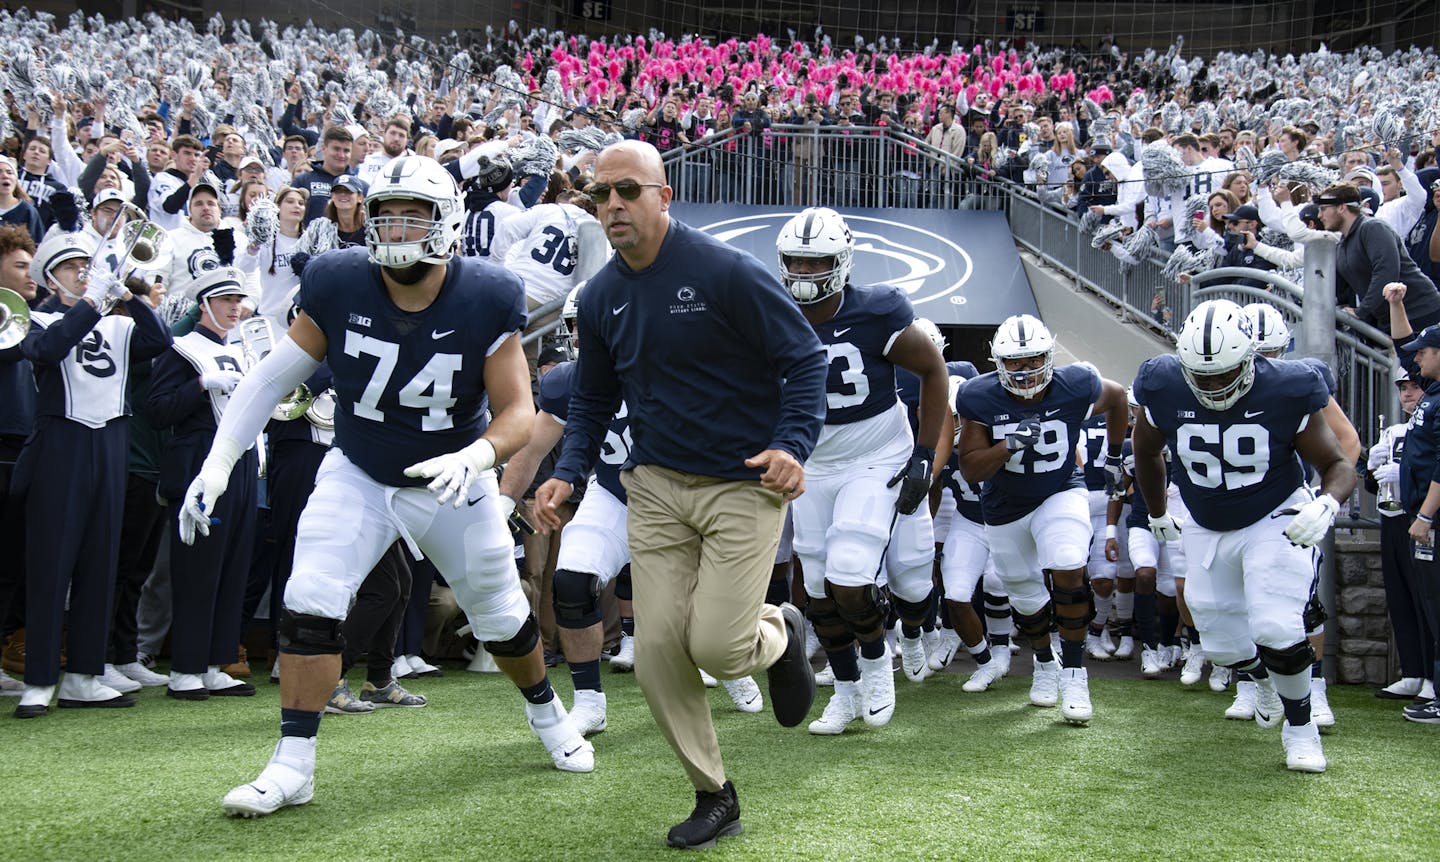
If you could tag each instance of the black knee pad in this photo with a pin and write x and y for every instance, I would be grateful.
(1081, 595)
(1036, 625)
(868, 614)
(913, 612)
(304, 634)
(624, 591)
(830, 627)
(1290, 660)
(576, 599)
(521, 644)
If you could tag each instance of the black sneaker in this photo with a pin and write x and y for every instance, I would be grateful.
(792, 683)
(716, 815)
(1424, 713)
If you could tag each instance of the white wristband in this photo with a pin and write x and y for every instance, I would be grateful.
(1110, 532)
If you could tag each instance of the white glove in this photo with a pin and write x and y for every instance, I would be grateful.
(1313, 521)
(455, 472)
(1379, 454)
(1166, 527)
(1387, 472)
(223, 381)
(98, 287)
(200, 499)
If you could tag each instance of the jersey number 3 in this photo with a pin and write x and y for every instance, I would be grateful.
(429, 390)
(1242, 460)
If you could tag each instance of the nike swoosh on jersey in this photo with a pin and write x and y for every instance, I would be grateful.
(615, 311)
(437, 334)
(1049, 413)
(840, 332)
(1249, 415)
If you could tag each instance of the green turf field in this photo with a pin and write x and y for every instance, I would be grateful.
(1159, 775)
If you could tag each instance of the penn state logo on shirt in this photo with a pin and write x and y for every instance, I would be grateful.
(687, 301)
(202, 260)
(93, 355)
(923, 263)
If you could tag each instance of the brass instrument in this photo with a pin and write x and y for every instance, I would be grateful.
(1387, 496)
(14, 318)
(147, 247)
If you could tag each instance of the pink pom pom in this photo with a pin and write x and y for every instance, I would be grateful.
(971, 91)
(997, 63)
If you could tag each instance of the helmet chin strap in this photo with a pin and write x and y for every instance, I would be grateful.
(209, 312)
(65, 291)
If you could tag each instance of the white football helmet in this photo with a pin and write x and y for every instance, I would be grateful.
(1272, 333)
(932, 332)
(414, 178)
(818, 232)
(567, 333)
(1216, 347)
(1022, 336)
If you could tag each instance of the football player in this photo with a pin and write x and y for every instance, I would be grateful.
(1021, 426)
(1105, 553)
(415, 339)
(867, 468)
(1235, 423)
(1273, 341)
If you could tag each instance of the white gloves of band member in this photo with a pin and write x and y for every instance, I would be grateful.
(1379, 454)
(1387, 472)
(455, 472)
(1313, 521)
(1166, 527)
(223, 381)
(101, 286)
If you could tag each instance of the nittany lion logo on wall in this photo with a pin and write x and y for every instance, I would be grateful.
(920, 262)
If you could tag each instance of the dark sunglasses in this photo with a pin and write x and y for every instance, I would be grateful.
(628, 189)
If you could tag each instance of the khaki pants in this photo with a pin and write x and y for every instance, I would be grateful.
(532, 350)
(538, 582)
(701, 550)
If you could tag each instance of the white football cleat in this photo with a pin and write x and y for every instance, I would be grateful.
(745, 693)
(913, 660)
(1045, 684)
(1219, 677)
(844, 707)
(1194, 667)
(1075, 695)
(985, 675)
(1303, 752)
(588, 712)
(825, 676)
(1150, 663)
(113, 678)
(1321, 715)
(1269, 711)
(947, 644)
(284, 782)
(812, 643)
(710, 681)
(1096, 648)
(1427, 691)
(558, 733)
(483, 662)
(1169, 656)
(877, 689)
(1126, 649)
(142, 674)
(624, 660)
(1243, 707)
(1002, 655)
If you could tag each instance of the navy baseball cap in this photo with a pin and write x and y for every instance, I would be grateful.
(350, 182)
(1247, 211)
(1428, 337)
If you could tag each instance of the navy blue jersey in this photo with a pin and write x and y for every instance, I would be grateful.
(1323, 370)
(408, 385)
(1139, 515)
(1094, 470)
(907, 386)
(1033, 475)
(555, 389)
(967, 496)
(1249, 446)
(1420, 458)
(860, 382)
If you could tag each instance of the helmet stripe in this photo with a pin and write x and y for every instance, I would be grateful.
(805, 233)
(399, 170)
(1206, 347)
(1020, 331)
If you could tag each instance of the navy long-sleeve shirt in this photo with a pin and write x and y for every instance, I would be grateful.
(710, 354)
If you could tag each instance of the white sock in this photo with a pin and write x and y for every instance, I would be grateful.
(1102, 609)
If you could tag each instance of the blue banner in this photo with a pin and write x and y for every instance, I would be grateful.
(959, 267)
